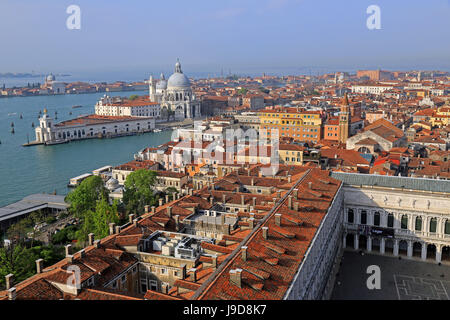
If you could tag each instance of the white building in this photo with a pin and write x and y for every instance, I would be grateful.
(175, 96)
(91, 126)
(371, 89)
(119, 107)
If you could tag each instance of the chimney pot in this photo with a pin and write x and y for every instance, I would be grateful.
(169, 212)
(254, 202)
(242, 199)
(153, 209)
(91, 239)
(117, 229)
(278, 219)
(296, 206)
(244, 253)
(12, 293)
(310, 185)
(112, 228)
(160, 202)
(251, 223)
(290, 202)
(131, 218)
(214, 262)
(39, 265)
(167, 198)
(177, 222)
(265, 231)
(146, 208)
(82, 253)
(224, 198)
(68, 249)
(235, 277)
(9, 281)
(97, 243)
(193, 273)
(69, 258)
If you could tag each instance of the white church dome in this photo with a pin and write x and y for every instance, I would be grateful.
(178, 79)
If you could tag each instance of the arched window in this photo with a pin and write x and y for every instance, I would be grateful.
(418, 223)
(404, 222)
(351, 216)
(363, 217)
(390, 222)
(447, 227)
(376, 219)
(433, 225)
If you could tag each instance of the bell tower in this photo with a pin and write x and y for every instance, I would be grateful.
(344, 120)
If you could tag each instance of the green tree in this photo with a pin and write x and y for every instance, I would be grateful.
(86, 195)
(242, 91)
(138, 190)
(97, 222)
(133, 97)
(19, 261)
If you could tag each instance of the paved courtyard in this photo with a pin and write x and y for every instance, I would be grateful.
(400, 279)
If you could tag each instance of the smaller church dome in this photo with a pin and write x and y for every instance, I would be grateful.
(112, 184)
(50, 78)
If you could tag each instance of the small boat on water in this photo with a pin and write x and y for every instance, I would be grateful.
(157, 130)
(21, 117)
(74, 107)
(12, 114)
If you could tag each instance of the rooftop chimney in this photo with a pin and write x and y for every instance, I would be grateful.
(278, 219)
(237, 189)
(214, 261)
(251, 223)
(91, 239)
(153, 209)
(69, 258)
(112, 228)
(167, 198)
(242, 199)
(160, 202)
(253, 182)
(211, 200)
(174, 195)
(117, 228)
(224, 198)
(244, 253)
(254, 202)
(68, 249)
(165, 288)
(310, 185)
(9, 281)
(169, 212)
(289, 178)
(290, 202)
(12, 294)
(39, 265)
(82, 253)
(193, 274)
(295, 192)
(296, 206)
(131, 218)
(146, 208)
(235, 277)
(177, 222)
(265, 231)
(97, 243)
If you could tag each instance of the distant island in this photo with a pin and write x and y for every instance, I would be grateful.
(8, 75)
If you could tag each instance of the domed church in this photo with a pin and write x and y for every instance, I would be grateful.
(174, 95)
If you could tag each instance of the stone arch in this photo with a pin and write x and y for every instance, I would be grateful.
(431, 251)
(403, 247)
(417, 249)
(376, 244)
(362, 242)
(364, 150)
(418, 223)
(445, 254)
(389, 245)
(350, 240)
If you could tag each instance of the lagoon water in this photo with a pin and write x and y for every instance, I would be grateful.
(28, 170)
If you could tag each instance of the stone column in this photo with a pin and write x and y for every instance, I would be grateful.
(410, 249)
(369, 244)
(424, 251)
(356, 241)
(438, 253)
(382, 246)
(396, 247)
(344, 240)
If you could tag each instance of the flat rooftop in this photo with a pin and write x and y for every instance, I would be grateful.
(32, 203)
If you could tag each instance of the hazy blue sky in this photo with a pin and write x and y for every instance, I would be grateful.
(207, 35)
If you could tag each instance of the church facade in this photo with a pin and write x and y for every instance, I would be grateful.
(175, 96)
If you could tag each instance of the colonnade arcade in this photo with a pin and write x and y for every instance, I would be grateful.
(408, 233)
